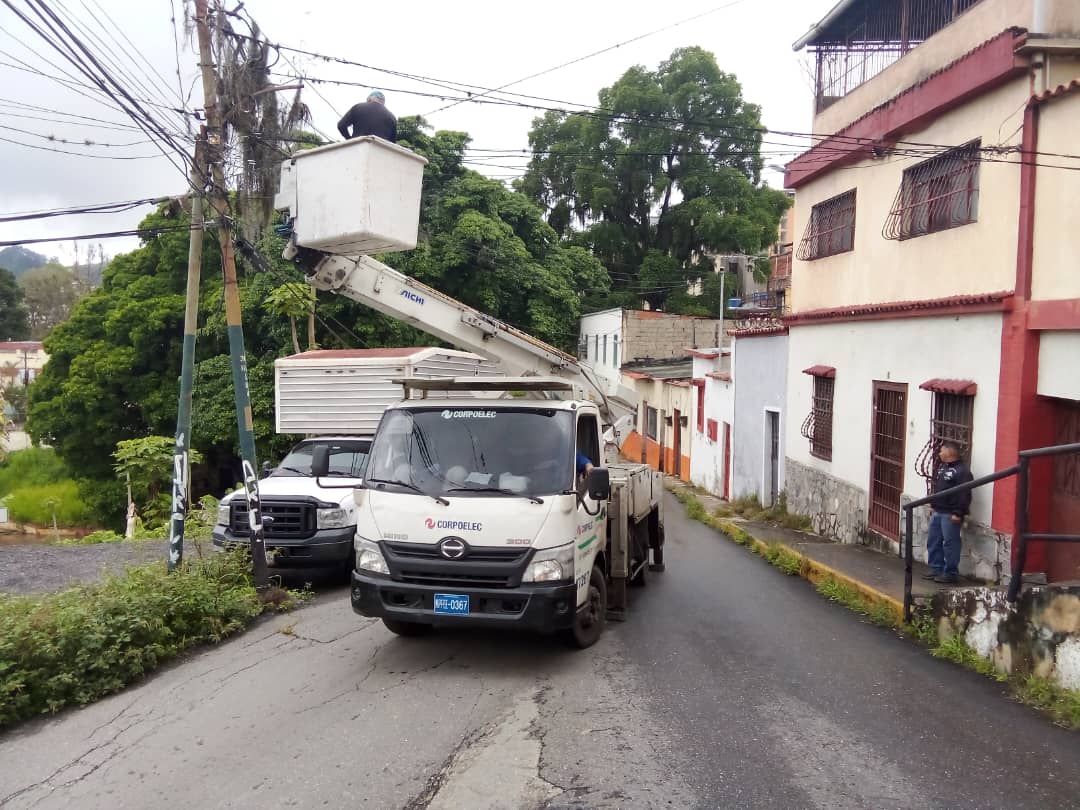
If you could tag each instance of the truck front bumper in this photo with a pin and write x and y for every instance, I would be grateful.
(325, 548)
(545, 608)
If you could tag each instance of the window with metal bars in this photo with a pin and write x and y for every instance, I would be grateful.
(831, 228)
(952, 420)
(938, 194)
(817, 427)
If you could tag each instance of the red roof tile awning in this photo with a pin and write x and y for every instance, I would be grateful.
(965, 388)
(703, 354)
(723, 376)
(820, 371)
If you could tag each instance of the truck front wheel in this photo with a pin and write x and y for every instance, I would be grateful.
(590, 619)
(406, 628)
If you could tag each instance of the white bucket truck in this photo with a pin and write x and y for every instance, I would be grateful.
(336, 398)
(472, 513)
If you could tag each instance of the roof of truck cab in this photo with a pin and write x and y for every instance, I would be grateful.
(492, 403)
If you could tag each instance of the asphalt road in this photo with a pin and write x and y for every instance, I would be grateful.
(730, 685)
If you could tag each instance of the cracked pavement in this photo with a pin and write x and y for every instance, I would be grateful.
(729, 685)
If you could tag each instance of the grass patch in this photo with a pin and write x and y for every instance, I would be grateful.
(850, 597)
(750, 508)
(75, 646)
(34, 466)
(783, 558)
(198, 526)
(923, 629)
(1060, 703)
(955, 649)
(40, 504)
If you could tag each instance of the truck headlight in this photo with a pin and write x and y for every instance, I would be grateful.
(333, 518)
(223, 514)
(369, 557)
(551, 565)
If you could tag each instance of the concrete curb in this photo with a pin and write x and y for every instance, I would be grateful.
(809, 569)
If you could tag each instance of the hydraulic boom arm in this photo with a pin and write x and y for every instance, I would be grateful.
(382, 288)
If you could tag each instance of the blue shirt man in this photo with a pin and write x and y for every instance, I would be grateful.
(584, 464)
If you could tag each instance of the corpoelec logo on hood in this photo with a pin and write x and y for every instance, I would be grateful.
(454, 414)
(454, 525)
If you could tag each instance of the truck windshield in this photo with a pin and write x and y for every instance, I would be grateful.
(347, 458)
(495, 452)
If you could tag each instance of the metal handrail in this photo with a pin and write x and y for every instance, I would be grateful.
(1021, 535)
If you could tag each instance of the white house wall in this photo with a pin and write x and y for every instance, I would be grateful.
(760, 373)
(707, 456)
(606, 324)
(835, 493)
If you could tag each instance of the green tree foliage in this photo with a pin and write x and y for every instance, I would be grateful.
(491, 248)
(14, 317)
(33, 466)
(148, 463)
(293, 300)
(51, 292)
(669, 173)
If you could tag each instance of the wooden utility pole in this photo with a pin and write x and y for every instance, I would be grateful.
(181, 463)
(215, 146)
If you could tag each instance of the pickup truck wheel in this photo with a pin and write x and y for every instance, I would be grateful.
(589, 621)
(406, 628)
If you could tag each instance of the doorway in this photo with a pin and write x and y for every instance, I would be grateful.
(887, 447)
(772, 458)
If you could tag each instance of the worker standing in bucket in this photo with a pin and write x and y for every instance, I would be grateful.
(369, 118)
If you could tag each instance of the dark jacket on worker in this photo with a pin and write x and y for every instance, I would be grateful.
(369, 118)
(951, 474)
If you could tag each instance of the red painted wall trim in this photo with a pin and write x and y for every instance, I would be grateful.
(1023, 419)
(984, 68)
(934, 307)
(1061, 314)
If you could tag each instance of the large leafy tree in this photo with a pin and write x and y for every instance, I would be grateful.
(491, 248)
(667, 173)
(50, 292)
(14, 317)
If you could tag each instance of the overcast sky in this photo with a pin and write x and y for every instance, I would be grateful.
(481, 42)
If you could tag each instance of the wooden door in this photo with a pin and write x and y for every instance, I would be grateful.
(1063, 559)
(676, 423)
(887, 446)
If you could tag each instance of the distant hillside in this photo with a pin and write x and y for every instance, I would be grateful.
(18, 259)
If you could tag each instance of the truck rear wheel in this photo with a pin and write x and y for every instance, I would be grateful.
(589, 621)
(406, 628)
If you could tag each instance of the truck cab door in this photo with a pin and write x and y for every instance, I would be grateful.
(591, 528)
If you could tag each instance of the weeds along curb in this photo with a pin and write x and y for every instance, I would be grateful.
(1060, 704)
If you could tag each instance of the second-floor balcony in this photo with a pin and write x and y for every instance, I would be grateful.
(859, 39)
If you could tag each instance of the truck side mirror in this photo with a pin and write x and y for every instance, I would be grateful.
(266, 468)
(599, 484)
(320, 461)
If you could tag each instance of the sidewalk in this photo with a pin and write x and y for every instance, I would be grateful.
(878, 577)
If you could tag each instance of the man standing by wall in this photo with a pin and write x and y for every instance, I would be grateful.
(369, 118)
(947, 516)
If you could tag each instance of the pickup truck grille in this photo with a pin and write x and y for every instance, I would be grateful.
(421, 564)
(292, 520)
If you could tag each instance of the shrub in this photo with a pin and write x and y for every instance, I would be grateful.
(72, 647)
(94, 538)
(37, 503)
(33, 466)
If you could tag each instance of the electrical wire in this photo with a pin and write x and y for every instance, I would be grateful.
(100, 208)
(651, 32)
(106, 235)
